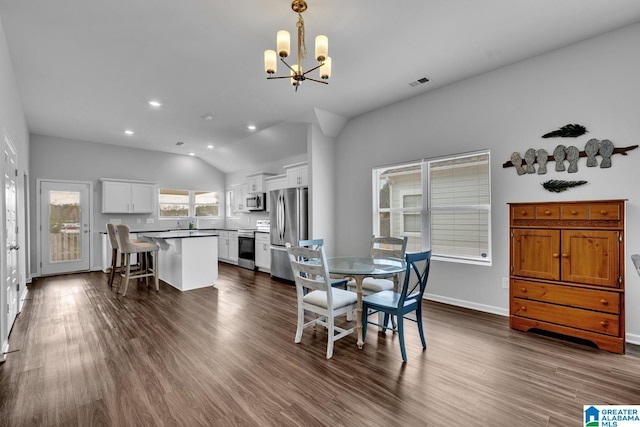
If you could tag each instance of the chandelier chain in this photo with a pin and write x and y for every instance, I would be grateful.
(302, 47)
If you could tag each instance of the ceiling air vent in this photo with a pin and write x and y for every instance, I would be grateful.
(419, 82)
(179, 143)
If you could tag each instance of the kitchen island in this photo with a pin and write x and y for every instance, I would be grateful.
(187, 259)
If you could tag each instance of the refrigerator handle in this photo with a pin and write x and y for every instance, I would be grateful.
(281, 216)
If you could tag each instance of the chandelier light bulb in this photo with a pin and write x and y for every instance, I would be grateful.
(325, 68)
(283, 43)
(270, 62)
(322, 47)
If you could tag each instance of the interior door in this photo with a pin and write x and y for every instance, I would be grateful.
(11, 276)
(64, 227)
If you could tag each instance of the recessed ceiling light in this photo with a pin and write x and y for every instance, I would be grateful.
(155, 103)
(251, 127)
(192, 154)
(128, 132)
(210, 146)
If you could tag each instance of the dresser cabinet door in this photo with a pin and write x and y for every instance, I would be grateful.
(591, 257)
(536, 253)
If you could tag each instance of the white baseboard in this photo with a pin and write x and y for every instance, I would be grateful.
(632, 338)
(468, 304)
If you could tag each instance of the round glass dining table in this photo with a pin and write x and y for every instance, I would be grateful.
(360, 267)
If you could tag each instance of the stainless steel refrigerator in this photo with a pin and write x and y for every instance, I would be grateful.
(289, 224)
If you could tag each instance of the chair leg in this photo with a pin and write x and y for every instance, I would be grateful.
(420, 330)
(154, 265)
(401, 336)
(300, 323)
(330, 334)
(364, 322)
(383, 319)
(127, 273)
(114, 263)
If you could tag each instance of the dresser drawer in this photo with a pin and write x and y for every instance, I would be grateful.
(547, 212)
(574, 212)
(523, 212)
(590, 299)
(606, 212)
(587, 320)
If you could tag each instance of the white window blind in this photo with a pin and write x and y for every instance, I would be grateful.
(459, 204)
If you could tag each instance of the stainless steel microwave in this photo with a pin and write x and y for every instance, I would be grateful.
(256, 202)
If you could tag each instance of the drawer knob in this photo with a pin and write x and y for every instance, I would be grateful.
(603, 212)
(565, 255)
(605, 323)
(547, 212)
(555, 255)
(523, 308)
(604, 302)
(523, 213)
(523, 290)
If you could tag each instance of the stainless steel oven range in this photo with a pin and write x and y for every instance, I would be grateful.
(247, 244)
(247, 249)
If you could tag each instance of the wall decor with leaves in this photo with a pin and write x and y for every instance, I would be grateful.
(593, 148)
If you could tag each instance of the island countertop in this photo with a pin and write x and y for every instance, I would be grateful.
(178, 234)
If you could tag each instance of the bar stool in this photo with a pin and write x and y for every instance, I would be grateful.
(145, 250)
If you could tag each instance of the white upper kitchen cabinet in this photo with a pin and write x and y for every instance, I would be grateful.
(274, 183)
(256, 182)
(297, 174)
(239, 196)
(119, 196)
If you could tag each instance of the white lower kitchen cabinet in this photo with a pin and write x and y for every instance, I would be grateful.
(263, 252)
(228, 246)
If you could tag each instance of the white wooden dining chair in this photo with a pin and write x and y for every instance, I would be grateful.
(315, 294)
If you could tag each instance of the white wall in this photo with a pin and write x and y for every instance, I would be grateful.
(13, 124)
(594, 83)
(65, 159)
(322, 179)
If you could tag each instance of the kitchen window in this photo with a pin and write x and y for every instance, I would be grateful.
(443, 204)
(188, 203)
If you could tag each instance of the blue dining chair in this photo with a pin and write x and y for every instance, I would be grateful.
(396, 304)
(315, 244)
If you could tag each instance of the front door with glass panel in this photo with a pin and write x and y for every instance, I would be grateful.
(64, 221)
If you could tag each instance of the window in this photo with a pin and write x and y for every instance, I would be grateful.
(174, 203)
(443, 204)
(206, 203)
(186, 203)
(399, 207)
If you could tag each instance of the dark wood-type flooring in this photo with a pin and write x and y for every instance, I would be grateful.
(225, 356)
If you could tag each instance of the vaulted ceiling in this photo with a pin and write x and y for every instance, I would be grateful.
(86, 69)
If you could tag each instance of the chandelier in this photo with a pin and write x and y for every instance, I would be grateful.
(283, 43)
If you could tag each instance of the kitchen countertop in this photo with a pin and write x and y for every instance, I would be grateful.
(178, 234)
(166, 230)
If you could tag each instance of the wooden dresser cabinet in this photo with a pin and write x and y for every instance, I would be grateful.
(567, 270)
